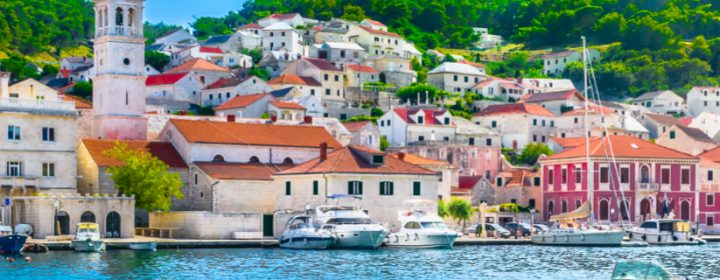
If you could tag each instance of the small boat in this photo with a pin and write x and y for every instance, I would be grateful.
(351, 227)
(87, 238)
(664, 232)
(567, 232)
(632, 270)
(301, 233)
(143, 246)
(35, 248)
(10, 243)
(421, 227)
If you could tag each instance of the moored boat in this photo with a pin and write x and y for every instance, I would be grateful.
(664, 232)
(632, 270)
(10, 243)
(567, 232)
(301, 233)
(350, 225)
(87, 238)
(420, 227)
(143, 246)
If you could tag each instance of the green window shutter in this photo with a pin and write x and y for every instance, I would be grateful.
(288, 188)
(416, 188)
(498, 181)
(360, 189)
(316, 188)
(392, 189)
(350, 187)
(672, 134)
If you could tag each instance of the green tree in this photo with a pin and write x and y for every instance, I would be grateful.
(531, 153)
(384, 144)
(647, 33)
(411, 92)
(260, 72)
(354, 13)
(610, 27)
(376, 112)
(460, 210)
(204, 27)
(700, 49)
(157, 60)
(153, 31)
(256, 54)
(83, 89)
(144, 176)
(442, 210)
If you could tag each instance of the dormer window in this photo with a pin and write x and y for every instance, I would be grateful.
(421, 119)
(447, 121)
(378, 159)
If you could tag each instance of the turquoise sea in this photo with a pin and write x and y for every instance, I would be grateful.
(462, 262)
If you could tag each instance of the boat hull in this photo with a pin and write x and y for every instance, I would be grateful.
(87, 245)
(360, 239)
(594, 239)
(144, 246)
(306, 243)
(664, 238)
(12, 244)
(437, 240)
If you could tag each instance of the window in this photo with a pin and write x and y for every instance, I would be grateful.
(564, 176)
(416, 188)
(672, 134)
(312, 92)
(387, 188)
(575, 120)
(551, 175)
(447, 121)
(288, 188)
(455, 78)
(466, 79)
(327, 91)
(543, 123)
(531, 203)
(355, 188)
(14, 169)
(494, 124)
(326, 77)
(488, 142)
(471, 141)
(624, 175)
(709, 175)
(388, 122)
(48, 169)
(421, 138)
(337, 78)
(536, 181)
(13, 132)
(421, 119)
(710, 221)
(498, 181)
(534, 122)
(665, 176)
(578, 174)
(316, 187)
(48, 134)
(710, 199)
(685, 176)
(196, 179)
(604, 174)
(378, 159)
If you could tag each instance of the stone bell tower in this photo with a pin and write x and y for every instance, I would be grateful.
(119, 87)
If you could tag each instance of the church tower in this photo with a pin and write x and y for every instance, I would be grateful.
(119, 86)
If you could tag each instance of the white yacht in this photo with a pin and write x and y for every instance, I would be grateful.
(421, 228)
(87, 238)
(567, 232)
(664, 232)
(301, 233)
(350, 225)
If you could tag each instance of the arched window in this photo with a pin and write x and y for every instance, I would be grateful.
(131, 17)
(563, 206)
(254, 159)
(119, 17)
(685, 210)
(287, 160)
(551, 207)
(218, 158)
(578, 203)
(87, 217)
(644, 174)
(112, 225)
(604, 210)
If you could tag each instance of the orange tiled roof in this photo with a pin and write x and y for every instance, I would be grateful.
(198, 64)
(592, 109)
(241, 101)
(515, 108)
(241, 171)
(290, 79)
(571, 142)
(232, 133)
(355, 126)
(349, 160)
(287, 105)
(622, 147)
(80, 104)
(711, 155)
(418, 160)
(380, 32)
(362, 68)
(162, 150)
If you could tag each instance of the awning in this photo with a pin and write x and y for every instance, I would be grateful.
(582, 212)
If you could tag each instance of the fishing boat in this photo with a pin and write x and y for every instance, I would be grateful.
(421, 227)
(301, 233)
(633, 270)
(10, 243)
(664, 232)
(87, 238)
(350, 225)
(143, 246)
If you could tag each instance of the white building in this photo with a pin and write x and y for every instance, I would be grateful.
(709, 123)
(225, 89)
(554, 63)
(339, 54)
(549, 85)
(245, 106)
(557, 102)
(280, 36)
(364, 133)
(518, 123)
(505, 89)
(455, 77)
(324, 72)
(176, 36)
(703, 99)
(404, 126)
(183, 87)
(661, 102)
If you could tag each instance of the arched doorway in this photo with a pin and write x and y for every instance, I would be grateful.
(62, 223)
(87, 217)
(550, 208)
(563, 206)
(645, 208)
(288, 161)
(624, 210)
(254, 159)
(604, 210)
(218, 158)
(685, 210)
(112, 224)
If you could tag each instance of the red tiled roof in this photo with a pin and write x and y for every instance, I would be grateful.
(380, 32)
(355, 126)
(553, 96)
(251, 25)
(515, 108)
(571, 142)
(322, 64)
(283, 16)
(290, 79)
(241, 101)
(232, 133)
(228, 82)
(198, 64)
(711, 155)
(80, 104)
(592, 109)
(468, 182)
(65, 72)
(164, 79)
(362, 68)
(686, 121)
(374, 22)
(350, 160)
(430, 115)
(287, 105)
(622, 147)
(211, 50)
(162, 150)
(558, 54)
(241, 171)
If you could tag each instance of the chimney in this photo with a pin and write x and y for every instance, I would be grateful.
(231, 118)
(323, 151)
(308, 120)
(273, 118)
(4, 84)
(401, 156)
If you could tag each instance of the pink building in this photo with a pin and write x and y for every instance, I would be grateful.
(644, 175)
(709, 191)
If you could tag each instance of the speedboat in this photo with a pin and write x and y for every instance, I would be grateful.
(632, 270)
(664, 232)
(87, 238)
(301, 233)
(421, 228)
(350, 225)
(10, 243)
(567, 232)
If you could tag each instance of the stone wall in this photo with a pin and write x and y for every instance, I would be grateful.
(207, 225)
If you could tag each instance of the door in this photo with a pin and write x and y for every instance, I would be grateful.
(268, 225)
(112, 225)
(62, 223)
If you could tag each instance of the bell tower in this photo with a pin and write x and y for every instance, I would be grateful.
(119, 86)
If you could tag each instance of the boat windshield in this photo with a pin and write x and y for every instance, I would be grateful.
(349, 221)
(640, 270)
(437, 225)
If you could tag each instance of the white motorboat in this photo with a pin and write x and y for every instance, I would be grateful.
(569, 233)
(632, 270)
(87, 238)
(143, 246)
(350, 225)
(422, 228)
(301, 233)
(664, 232)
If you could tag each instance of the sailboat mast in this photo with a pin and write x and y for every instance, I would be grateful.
(588, 179)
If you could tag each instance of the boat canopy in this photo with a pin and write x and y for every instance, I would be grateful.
(582, 212)
(88, 226)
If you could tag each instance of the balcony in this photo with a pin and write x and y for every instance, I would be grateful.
(37, 106)
(118, 31)
(650, 187)
(19, 182)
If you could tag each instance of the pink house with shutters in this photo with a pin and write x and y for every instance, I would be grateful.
(643, 175)
(709, 196)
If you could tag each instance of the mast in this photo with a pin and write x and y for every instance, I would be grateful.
(588, 179)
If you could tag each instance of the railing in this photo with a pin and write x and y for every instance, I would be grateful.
(648, 186)
(118, 31)
(36, 105)
(19, 182)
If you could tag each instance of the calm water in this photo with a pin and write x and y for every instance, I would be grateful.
(463, 262)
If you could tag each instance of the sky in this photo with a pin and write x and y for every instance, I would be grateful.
(181, 12)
